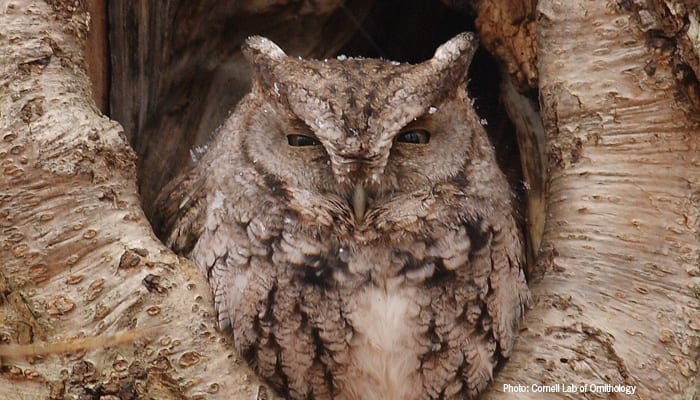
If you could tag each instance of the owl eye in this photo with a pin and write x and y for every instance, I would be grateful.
(301, 141)
(414, 136)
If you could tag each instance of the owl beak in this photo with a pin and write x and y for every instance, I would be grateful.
(359, 202)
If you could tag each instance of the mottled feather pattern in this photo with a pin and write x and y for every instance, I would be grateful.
(416, 296)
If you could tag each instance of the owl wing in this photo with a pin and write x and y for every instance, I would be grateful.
(503, 295)
(179, 212)
(475, 313)
(508, 292)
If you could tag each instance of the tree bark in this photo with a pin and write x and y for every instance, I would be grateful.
(619, 302)
(92, 305)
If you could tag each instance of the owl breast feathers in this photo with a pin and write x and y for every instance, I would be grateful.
(355, 229)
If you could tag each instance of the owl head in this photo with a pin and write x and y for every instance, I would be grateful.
(356, 134)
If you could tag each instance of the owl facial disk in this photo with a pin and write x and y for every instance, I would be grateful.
(359, 132)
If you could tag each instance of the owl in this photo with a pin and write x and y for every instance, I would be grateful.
(357, 234)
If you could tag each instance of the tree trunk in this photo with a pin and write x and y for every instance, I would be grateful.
(619, 301)
(92, 305)
(100, 306)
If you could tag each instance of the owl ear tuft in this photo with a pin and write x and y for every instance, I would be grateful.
(258, 49)
(456, 54)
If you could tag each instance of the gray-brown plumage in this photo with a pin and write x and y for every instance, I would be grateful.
(356, 231)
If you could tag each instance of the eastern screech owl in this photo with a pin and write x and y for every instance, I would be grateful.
(356, 231)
